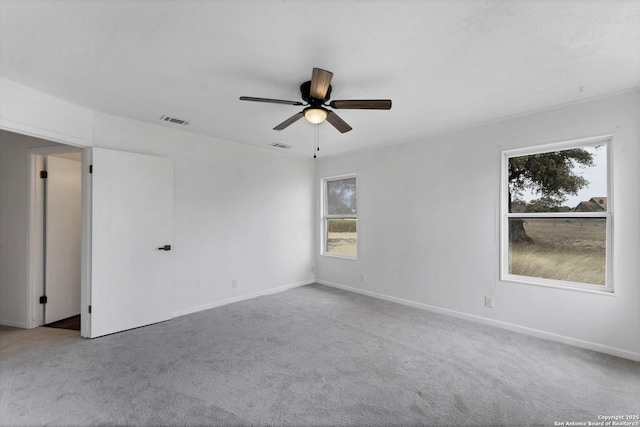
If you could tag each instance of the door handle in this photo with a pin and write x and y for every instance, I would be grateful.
(165, 248)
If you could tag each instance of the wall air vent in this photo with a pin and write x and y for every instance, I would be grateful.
(279, 145)
(174, 120)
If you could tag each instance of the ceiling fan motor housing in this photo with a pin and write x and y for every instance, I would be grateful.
(305, 90)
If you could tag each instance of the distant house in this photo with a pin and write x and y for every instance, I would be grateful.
(594, 204)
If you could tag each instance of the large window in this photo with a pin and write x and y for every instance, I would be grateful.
(556, 221)
(340, 216)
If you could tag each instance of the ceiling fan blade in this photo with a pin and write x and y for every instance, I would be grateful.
(320, 81)
(362, 104)
(273, 101)
(291, 120)
(337, 122)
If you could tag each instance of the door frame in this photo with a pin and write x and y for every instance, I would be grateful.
(35, 212)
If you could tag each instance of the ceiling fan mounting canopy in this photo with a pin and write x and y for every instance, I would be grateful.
(316, 93)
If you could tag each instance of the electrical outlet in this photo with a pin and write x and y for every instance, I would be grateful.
(234, 283)
(313, 269)
(488, 301)
(362, 278)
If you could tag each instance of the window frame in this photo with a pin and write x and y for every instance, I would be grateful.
(505, 215)
(325, 216)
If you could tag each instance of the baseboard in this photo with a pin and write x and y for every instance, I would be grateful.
(12, 324)
(240, 298)
(613, 351)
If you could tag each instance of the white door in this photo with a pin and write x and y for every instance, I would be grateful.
(62, 239)
(131, 218)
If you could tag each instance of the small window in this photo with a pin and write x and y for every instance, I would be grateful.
(340, 216)
(556, 225)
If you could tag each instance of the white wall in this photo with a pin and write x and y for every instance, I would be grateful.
(429, 227)
(14, 220)
(241, 213)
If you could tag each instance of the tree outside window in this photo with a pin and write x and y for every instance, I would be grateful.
(557, 217)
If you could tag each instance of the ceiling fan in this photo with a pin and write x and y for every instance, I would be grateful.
(316, 93)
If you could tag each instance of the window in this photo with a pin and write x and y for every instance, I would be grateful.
(339, 216)
(556, 215)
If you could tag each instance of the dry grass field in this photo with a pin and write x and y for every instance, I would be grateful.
(342, 236)
(343, 243)
(563, 249)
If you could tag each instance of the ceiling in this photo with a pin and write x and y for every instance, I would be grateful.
(445, 64)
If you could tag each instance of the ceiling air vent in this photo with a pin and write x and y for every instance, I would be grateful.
(279, 145)
(174, 120)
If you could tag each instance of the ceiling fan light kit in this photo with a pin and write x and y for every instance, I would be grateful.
(316, 94)
(315, 115)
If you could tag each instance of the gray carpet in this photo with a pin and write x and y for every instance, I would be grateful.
(309, 356)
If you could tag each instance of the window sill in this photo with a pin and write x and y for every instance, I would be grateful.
(524, 280)
(349, 257)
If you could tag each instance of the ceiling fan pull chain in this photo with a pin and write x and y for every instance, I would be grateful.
(316, 139)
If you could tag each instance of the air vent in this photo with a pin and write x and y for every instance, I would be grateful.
(174, 120)
(279, 145)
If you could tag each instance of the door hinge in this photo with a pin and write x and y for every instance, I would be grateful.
(90, 168)
(43, 299)
(44, 174)
(89, 311)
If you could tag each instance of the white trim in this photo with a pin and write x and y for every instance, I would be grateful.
(41, 133)
(56, 149)
(241, 298)
(553, 215)
(341, 176)
(34, 215)
(588, 345)
(559, 284)
(86, 244)
(335, 255)
(35, 232)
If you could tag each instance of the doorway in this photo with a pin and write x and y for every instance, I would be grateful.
(126, 239)
(56, 233)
